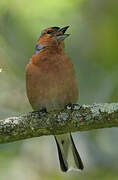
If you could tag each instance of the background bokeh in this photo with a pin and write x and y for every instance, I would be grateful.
(93, 47)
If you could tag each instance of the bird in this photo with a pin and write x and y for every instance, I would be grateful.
(51, 85)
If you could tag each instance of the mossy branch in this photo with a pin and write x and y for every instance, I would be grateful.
(78, 118)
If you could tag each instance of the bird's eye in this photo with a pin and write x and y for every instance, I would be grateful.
(49, 32)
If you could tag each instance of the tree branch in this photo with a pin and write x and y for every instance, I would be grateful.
(78, 118)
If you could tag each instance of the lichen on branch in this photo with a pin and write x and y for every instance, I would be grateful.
(78, 118)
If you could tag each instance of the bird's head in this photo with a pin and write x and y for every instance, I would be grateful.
(52, 37)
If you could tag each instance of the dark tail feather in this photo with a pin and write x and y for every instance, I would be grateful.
(63, 163)
(68, 154)
(76, 155)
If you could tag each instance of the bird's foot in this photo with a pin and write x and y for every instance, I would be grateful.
(41, 111)
(73, 106)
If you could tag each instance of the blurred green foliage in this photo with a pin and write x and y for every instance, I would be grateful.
(93, 46)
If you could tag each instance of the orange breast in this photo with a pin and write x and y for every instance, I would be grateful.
(51, 84)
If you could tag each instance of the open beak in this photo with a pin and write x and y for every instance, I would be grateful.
(61, 33)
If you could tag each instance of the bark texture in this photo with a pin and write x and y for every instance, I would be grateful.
(78, 118)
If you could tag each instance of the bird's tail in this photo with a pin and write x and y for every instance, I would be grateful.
(68, 154)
